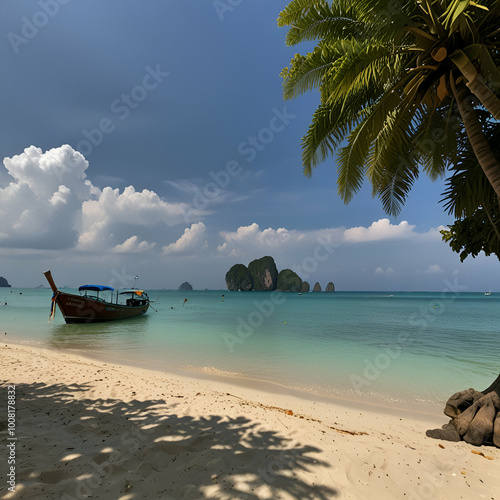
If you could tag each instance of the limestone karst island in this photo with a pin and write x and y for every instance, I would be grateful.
(262, 275)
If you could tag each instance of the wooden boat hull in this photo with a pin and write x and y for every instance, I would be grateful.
(80, 309)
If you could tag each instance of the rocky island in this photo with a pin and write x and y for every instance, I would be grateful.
(4, 283)
(185, 286)
(262, 275)
(288, 281)
(239, 278)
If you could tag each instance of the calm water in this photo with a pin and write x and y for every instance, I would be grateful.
(400, 348)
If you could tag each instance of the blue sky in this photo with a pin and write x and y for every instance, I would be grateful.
(162, 147)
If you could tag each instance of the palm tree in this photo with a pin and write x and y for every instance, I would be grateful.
(398, 87)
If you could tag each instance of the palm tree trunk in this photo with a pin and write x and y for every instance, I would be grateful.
(488, 99)
(476, 83)
(477, 139)
(495, 386)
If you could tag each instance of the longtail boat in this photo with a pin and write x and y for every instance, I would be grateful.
(88, 307)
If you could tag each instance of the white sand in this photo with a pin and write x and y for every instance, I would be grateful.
(89, 429)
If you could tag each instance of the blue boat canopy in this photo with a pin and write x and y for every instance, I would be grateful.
(96, 288)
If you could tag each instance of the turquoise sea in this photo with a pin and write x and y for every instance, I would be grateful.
(401, 349)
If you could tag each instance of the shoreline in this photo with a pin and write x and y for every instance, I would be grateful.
(92, 428)
(428, 412)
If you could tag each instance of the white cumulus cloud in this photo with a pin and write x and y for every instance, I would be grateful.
(434, 269)
(379, 230)
(130, 207)
(41, 206)
(133, 245)
(255, 236)
(379, 271)
(192, 239)
(47, 202)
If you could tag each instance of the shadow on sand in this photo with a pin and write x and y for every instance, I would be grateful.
(108, 448)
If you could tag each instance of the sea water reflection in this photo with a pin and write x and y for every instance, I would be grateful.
(120, 335)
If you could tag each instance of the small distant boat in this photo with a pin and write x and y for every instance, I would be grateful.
(488, 292)
(90, 308)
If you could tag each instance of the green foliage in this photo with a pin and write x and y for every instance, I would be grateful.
(239, 278)
(288, 281)
(264, 274)
(475, 234)
(385, 74)
(467, 188)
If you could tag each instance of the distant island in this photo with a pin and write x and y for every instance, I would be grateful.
(262, 275)
(185, 286)
(4, 282)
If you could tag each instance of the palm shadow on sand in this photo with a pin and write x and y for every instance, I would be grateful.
(108, 448)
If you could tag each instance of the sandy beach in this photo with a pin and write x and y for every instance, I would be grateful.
(91, 429)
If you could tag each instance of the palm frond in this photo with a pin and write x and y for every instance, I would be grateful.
(384, 75)
(468, 188)
(394, 191)
(352, 157)
(307, 72)
(296, 10)
(321, 20)
(323, 137)
(361, 68)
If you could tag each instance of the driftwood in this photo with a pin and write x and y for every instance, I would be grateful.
(475, 417)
